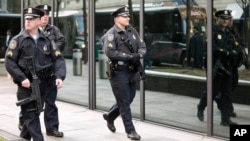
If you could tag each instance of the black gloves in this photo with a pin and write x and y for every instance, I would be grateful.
(135, 57)
(222, 52)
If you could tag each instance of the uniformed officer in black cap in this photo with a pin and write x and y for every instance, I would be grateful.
(51, 31)
(32, 43)
(224, 14)
(51, 111)
(223, 46)
(51, 118)
(124, 48)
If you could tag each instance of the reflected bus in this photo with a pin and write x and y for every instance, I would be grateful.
(71, 25)
(69, 22)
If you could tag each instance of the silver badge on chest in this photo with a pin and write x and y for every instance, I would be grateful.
(45, 48)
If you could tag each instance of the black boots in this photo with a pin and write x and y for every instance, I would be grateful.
(227, 122)
(133, 135)
(225, 119)
(110, 123)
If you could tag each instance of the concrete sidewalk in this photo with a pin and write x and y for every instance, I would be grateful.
(81, 124)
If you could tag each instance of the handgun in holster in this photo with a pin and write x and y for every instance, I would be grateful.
(110, 68)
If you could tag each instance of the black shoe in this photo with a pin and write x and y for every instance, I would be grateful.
(110, 123)
(227, 122)
(55, 133)
(133, 135)
(200, 114)
(20, 126)
(233, 114)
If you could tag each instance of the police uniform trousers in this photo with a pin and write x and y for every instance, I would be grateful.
(51, 120)
(222, 84)
(31, 126)
(124, 89)
(235, 81)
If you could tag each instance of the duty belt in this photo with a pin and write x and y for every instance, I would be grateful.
(125, 66)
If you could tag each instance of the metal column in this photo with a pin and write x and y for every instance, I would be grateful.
(22, 19)
(209, 68)
(142, 84)
(91, 55)
(52, 12)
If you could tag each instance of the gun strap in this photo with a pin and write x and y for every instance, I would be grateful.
(127, 42)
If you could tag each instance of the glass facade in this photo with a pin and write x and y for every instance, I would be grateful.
(174, 83)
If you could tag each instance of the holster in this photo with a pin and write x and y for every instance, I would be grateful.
(110, 68)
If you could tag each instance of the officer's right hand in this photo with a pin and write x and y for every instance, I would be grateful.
(59, 83)
(134, 57)
(26, 83)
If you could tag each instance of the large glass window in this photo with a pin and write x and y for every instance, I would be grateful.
(176, 74)
(175, 82)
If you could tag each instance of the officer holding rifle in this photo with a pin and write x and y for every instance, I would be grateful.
(32, 50)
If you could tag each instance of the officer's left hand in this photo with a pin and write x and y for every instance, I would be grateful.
(59, 83)
(135, 57)
(26, 83)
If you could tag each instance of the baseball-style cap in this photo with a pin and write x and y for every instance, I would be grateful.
(122, 11)
(224, 14)
(32, 13)
(45, 8)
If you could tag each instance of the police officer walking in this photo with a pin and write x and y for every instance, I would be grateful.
(237, 58)
(124, 48)
(48, 63)
(223, 50)
(51, 118)
(51, 31)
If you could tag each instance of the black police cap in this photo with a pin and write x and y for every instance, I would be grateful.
(122, 11)
(32, 13)
(224, 14)
(45, 8)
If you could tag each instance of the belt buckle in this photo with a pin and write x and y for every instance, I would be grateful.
(120, 62)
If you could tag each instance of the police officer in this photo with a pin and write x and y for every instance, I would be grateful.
(223, 48)
(51, 111)
(124, 48)
(48, 63)
(51, 31)
(236, 61)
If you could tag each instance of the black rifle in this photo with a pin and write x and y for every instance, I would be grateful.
(35, 95)
(218, 66)
(140, 68)
(220, 69)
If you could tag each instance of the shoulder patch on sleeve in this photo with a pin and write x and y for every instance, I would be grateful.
(110, 37)
(13, 44)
